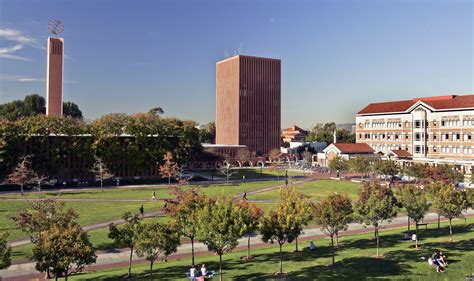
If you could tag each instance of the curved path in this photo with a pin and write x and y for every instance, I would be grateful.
(23, 242)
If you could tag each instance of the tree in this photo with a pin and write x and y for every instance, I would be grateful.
(307, 157)
(184, 211)
(386, 168)
(375, 205)
(243, 156)
(359, 165)
(220, 227)
(38, 180)
(169, 168)
(208, 133)
(42, 215)
(443, 173)
(71, 109)
(297, 207)
(415, 203)
(283, 224)
(274, 155)
(338, 165)
(322, 133)
(450, 203)
(34, 105)
(227, 170)
(62, 248)
(250, 215)
(333, 214)
(156, 111)
(416, 170)
(124, 235)
(101, 172)
(154, 240)
(21, 174)
(5, 251)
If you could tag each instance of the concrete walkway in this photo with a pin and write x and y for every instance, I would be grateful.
(27, 270)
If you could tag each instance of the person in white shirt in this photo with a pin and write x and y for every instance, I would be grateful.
(192, 272)
(204, 270)
(312, 247)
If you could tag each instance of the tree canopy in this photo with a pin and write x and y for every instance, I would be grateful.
(34, 105)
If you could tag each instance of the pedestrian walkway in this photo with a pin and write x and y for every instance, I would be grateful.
(120, 258)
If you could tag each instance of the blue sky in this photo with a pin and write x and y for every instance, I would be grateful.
(337, 56)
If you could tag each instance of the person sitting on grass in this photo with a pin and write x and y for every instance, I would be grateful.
(312, 247)
(204, 270)
(434, 260)
(192, 273)
(443, 260)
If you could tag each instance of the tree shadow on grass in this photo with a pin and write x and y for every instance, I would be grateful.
(349, 269)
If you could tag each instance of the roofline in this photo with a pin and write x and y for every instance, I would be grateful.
(245, 56)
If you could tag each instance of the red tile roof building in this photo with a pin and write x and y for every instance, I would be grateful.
(294, 133)
(435, 130)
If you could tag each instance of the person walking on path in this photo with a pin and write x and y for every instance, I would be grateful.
(243, 178)
(142, 210)
(245, 195)
(286, 182)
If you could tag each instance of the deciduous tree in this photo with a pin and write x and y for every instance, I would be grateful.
(333, 214)
(169, 169)
(63, 248)
(124, 235)
(450, 203)
(184, 211)
(376, 204)
(250, 216)
(5, 251)
(415, 203)
(285, 223)
(338, 165)
(101, 172)
(359, 165)
(154, 240)
(220, 227)
(227, 170)
(39, 180)
(21, 174)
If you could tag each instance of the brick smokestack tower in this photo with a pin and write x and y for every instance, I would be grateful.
(54, 77)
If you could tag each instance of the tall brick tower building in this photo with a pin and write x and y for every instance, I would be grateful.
(54, 77)
(248, 107)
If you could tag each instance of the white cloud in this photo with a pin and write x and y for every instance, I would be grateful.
(19, 78)
(20, 40)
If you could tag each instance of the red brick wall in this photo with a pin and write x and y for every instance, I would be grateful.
(54, 90)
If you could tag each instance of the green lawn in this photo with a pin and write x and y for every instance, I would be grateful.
(355, 260)
(251, 173)
(89, 213)
(99, 238)
(316, 190)
(94, 212)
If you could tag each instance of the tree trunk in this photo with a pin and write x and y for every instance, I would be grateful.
(169, 180)
(220, 267)
(56, 276)
(65, 275)
(450, 231)
(21, 187)
(439, 221)
(101, 185)
(377, 239)
(192, 250)
(416, 233)
(151, 271)
(248, 247)
(281, 261)
(408, 223)
(39, 187)
(130, 263)
(296, 243)
(332, 248)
